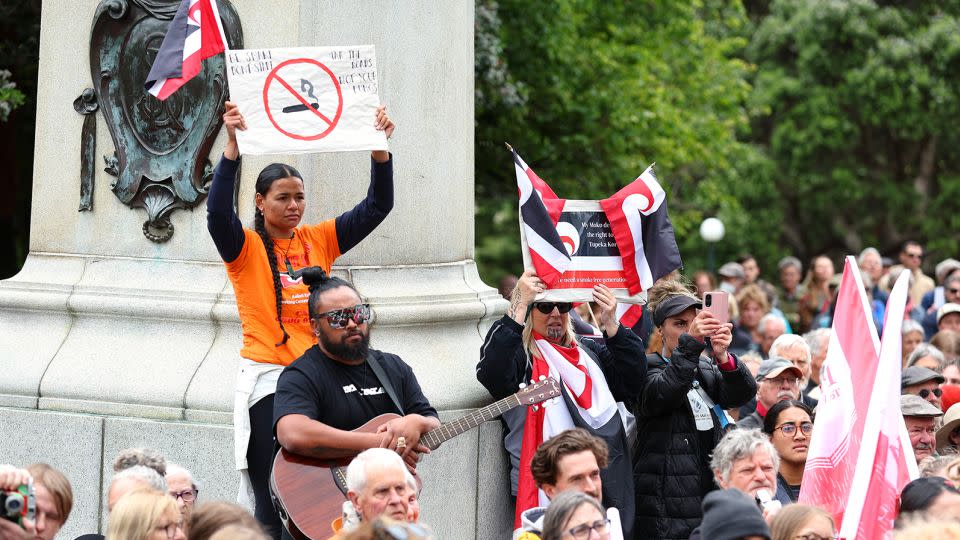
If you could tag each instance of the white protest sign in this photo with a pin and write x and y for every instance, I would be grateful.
(306, 99)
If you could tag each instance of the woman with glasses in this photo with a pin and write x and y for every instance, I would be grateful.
(789, 424)
(575, 515)
(271, 300)
(802, 522)
(145, 515)
(536, 338)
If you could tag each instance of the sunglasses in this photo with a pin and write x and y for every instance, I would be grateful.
(339, 318)
(924, 393)
(547, 307)
(954, 291)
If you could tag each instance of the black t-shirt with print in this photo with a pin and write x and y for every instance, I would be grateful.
(346, 396)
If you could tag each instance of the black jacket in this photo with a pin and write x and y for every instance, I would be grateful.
(503, 366)
(672, 459)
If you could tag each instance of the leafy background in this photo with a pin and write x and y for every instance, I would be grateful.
(806, 126)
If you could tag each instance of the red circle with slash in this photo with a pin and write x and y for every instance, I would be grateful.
(276, 77)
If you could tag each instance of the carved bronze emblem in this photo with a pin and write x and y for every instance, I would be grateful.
(160, 162)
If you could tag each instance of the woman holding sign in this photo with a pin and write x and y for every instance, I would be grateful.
(272, 303)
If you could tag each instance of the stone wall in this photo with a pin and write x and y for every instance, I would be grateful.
(110, 340)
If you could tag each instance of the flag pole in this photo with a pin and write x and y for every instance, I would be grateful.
(510, 148)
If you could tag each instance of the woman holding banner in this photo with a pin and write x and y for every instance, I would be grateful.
(272, 303)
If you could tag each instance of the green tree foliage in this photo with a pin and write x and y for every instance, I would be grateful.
(858, 103)
(591, 92)
(19, 52)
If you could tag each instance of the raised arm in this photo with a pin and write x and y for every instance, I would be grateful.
(623, 360)
(222, 222)
(356, 224)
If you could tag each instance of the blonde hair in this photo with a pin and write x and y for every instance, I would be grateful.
(786, 523)
(136, 514)
(918, 528)
(530, 344)
(58, 486)
(752, 293)
(238, 532)
(668, 288)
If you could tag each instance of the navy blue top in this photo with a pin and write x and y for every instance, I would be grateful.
(352, 226)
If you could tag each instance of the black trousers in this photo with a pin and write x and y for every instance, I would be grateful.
(260, 454)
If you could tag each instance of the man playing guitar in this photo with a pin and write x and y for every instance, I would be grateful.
(333, 389)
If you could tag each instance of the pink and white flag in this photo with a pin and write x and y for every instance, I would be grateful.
(860, 457)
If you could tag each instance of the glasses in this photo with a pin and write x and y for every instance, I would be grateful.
(813, 536)
(339, 318)
(954, 291)
(170, 529)
(925, 392)
(188, 495)
(547, 307)
(582, 531)
(914, 255)
(790, 430)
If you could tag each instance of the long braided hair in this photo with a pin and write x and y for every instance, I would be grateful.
(270, 174)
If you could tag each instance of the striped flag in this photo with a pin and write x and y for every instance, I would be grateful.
(540, 210)
(195, 33)
(641, 226)
(860, 455)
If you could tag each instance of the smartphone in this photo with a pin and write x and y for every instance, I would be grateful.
(717, 303)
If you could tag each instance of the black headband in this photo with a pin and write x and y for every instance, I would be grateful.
(673, 306)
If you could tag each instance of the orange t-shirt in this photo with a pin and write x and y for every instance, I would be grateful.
(312, 245)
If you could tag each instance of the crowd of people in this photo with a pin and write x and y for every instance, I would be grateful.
(688, 424)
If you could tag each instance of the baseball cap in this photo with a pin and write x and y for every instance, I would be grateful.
(919, 374)
(946, 267)
(950, 422)
(946, 309)
(913, 405)
(733, 270)
(775, 366)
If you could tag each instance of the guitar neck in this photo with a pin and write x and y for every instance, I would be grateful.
(436, 436)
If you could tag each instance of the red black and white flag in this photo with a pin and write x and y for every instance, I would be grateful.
(540, 210)
(196, 33)
(643, 231)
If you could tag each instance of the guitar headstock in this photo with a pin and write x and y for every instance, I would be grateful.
(539, 391)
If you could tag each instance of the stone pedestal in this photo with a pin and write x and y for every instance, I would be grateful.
(110, 340)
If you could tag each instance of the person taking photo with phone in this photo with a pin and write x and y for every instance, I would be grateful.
(680, 413)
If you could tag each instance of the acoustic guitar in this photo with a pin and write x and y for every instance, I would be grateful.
(309, 492)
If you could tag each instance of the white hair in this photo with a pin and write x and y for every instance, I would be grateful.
(739, 444)
(150, 476)
(765, 320)
(790, 261)
(789, 342)
(868, 251)
(911, 325)
(173, 468)
(816, 342)
(357, 470)
(923, 350)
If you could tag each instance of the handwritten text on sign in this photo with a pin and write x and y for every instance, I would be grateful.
(306, 99)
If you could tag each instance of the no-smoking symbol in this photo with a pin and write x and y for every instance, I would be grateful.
(303, 100)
